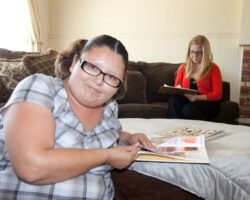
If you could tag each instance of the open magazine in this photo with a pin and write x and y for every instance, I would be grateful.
(208, 134)
(186, 144)
(170, 90)
(188, 148)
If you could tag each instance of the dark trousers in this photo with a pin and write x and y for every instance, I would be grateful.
(181, 108)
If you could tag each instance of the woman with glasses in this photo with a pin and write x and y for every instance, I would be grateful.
(198, 73)
(59, 136)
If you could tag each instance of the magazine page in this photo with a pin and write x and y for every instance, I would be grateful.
(208, 134)
(188, 148)
(170, 90)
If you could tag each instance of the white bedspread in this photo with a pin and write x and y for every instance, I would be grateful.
(226, 177)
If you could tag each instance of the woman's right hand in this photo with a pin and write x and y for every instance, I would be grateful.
(122, 156)
(179, 84)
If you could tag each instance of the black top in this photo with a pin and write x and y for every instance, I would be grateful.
(193, 84)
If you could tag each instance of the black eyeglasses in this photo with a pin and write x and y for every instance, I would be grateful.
(93, 70)
(198, 53)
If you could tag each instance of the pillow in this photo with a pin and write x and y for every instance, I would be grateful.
(10, 74)
(9, 54)
(1, 93)
(43, 63)
(135, 86)
(133, 66)
(156, 75)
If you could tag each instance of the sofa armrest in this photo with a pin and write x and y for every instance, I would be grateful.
(225, 91)
(229, 112)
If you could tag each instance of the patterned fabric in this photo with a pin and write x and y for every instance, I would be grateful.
(9, 54)
(13, 69)
(43, 63)
(10, 74)
(94, 184)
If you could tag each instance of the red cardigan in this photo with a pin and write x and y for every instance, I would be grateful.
(211, 85)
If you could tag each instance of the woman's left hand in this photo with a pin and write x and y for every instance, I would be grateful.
(191, 98)
(196, 97)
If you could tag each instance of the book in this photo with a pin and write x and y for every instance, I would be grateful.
(184, 149)
(170, 90)
(208, 134)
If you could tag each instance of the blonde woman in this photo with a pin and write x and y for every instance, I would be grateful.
(200, 73)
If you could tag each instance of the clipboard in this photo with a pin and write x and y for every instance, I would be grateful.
(170, 90)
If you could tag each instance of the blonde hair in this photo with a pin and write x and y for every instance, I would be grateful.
(207, 57)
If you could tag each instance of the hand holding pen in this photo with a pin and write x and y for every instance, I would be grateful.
(179, 85)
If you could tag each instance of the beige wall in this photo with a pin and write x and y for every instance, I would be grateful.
(245, 23)
(142, 18)
(154, 30)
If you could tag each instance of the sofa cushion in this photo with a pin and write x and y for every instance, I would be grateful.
(156, 75)
(9, 54)
(229, 111)
(138, 110)
(11, 72)
(133, 66)
(43, 63)
(1, 90)
(135, 85)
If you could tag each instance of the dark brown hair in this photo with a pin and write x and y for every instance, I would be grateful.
(65, 58)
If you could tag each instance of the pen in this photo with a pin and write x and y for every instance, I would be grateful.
(179, 83)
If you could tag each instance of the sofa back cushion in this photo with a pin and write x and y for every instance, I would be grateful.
(157, 74)
(13, 68)
(9, 54)
(135, 85)
(11, 72)
(43, 63)
(133, 66)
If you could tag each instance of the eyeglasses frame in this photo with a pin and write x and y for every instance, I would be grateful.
(83, 62)
(197, 53)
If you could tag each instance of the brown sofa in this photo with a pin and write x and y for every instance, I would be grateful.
(143, 100)
(144, 79)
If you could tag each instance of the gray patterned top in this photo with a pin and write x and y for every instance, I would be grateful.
(94, 184)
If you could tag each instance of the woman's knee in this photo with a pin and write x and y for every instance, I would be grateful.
(192, 112)
(175, 99)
